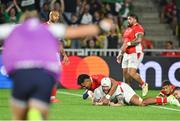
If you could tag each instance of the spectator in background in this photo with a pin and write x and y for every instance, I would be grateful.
(70, 7)
(95, 5)
(12, 13)
(169, 46)
(178, 18)
(101, 41)
(108, 9)
(125, 9)
(74, 22)
(113, 39)
(96, 17)
(86, 16)
(2, 10)
(30, 5)
(169, 14)
(91, 43)
(44, 14)
(147, 44)
(58, 6)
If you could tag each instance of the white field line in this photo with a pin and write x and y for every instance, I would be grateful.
(160, 107)
(166, 108)
(68, 93)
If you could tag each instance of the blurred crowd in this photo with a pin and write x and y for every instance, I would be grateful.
(169, 13)
(75, 12)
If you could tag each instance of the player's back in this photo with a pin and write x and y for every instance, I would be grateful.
(96, 81)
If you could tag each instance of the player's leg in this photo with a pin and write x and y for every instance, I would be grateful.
(124, 65)
(38, 110)
(32, 88)
(53, 94)
(131, 97)
(136, 100)
(133, 73)
(19, 109)
(134, 61)
(127, 77)
(40, 98)
(21, 90)
(54, 90)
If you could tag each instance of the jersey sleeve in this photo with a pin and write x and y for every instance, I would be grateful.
(58, 30)
(138, 29)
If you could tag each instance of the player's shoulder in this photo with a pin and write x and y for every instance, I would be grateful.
(138, 27)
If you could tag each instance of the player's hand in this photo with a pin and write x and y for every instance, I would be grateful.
(119, 58)
(65, 59)
(105, 101)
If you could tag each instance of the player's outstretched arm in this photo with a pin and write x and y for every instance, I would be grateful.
(5, 30)
(89, 30)
(60, 30)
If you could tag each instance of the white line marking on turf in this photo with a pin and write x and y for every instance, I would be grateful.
(68, 93)
(166, 108)
(78, 95)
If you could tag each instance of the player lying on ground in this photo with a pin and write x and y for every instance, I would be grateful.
(90, 83)
(169, 94)
(124, 94)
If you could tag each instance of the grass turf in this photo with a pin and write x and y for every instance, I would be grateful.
(73, 107)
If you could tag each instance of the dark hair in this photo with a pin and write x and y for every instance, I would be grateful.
(81, 78)
(134, 16)
(170, 42)
(176, 88)
(165, 83)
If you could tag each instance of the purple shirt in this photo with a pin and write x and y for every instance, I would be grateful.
(31, 45)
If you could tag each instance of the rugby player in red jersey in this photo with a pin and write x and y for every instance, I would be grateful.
(54, 18)
(94, 81)
(168, 94)
(132, 52)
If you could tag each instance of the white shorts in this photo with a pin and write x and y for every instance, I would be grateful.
(128, 92)
(132, 60)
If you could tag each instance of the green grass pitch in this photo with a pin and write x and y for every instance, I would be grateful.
(73, 107)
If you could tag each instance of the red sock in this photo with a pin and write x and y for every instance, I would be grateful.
(161, 100)
(54, 91)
